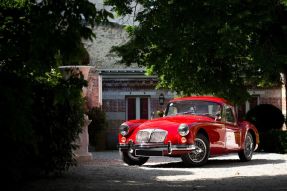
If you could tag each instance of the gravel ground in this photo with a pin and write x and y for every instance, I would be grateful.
(266, 171)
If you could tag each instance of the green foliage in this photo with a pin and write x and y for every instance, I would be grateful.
(98, 124)
(41, 113)
(41, 119)
(274, 141)
(57, 121)
(208, 47)
(33, 33)
(17, 135)
(265, 117)
(269, 121)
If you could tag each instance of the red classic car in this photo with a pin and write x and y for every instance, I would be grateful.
(193, 128)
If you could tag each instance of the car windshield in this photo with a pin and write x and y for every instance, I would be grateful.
(193, 107)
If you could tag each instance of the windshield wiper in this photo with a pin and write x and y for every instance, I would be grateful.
(186, 112)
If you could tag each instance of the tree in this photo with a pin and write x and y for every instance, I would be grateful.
(35, 33)
(41, 114)
(208, 47)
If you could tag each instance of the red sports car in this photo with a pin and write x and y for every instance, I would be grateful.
(193, 128)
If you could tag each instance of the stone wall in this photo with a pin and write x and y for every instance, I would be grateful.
(99, 49)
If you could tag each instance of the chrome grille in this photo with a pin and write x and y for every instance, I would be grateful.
(158, 136)
(143, 136)
(151, 136)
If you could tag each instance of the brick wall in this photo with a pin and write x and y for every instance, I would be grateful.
(94, 89)
(274, 101)
(269, 96)
(114, 105)
(99, 48)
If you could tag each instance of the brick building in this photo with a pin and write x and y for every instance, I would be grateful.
(127, 93)
(124, 94)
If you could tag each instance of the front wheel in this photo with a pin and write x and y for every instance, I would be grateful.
(130, 159)
(247, 152)
(200, 155)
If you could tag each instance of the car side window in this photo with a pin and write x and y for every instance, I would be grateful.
(229, 115)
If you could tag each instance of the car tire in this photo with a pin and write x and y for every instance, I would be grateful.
(247, 152)
(199, 156)
(132, 160)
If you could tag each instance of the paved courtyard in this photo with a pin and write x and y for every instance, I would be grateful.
(106, 172)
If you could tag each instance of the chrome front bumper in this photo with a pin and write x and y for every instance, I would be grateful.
(154, 149)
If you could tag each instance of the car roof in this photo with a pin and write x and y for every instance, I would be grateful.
(204, 98)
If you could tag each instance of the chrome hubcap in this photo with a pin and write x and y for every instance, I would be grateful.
(199, 153)
(248, 146)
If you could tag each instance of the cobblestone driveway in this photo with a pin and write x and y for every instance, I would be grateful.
(266, 171)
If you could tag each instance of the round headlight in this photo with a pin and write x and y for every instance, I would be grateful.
(124, 129)
(183, 129)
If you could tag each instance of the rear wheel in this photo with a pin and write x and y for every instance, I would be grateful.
(200, 155)
(130, 159)
(247, 152)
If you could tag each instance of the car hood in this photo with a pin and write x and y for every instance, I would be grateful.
(171, 122)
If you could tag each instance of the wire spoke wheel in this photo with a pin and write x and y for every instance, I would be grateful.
(200, 152)
(247, 152)
(200, 155)
(248, 146)
(129, 158)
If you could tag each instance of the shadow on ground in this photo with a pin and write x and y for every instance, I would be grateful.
(218, 163)
(108, 173)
